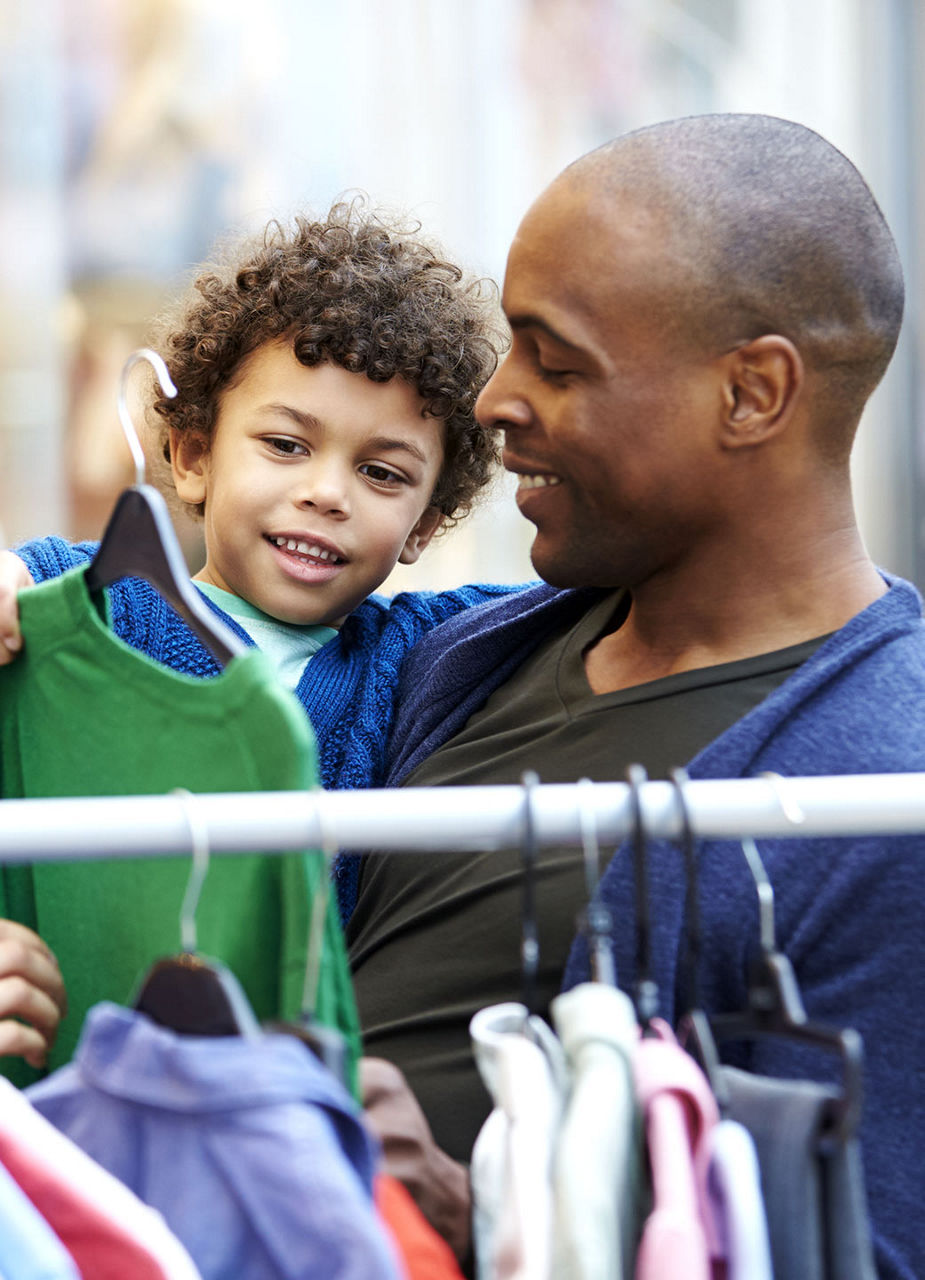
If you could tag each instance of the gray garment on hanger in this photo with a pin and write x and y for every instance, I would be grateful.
(812, 1182)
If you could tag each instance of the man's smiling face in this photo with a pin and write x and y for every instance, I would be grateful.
(607, 410)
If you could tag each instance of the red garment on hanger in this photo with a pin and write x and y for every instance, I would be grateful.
(426, 1255)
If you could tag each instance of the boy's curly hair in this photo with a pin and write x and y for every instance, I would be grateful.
(357, 289)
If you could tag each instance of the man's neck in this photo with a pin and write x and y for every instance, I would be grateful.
(672, 628)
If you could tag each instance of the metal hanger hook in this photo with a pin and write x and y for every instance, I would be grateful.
(646, 990)
(765, 894)
(590, 847)
(125, 418)
(679, 779)
(315, 949)
(789, 807)
(596, 921)
(199, 836)
(529, 945)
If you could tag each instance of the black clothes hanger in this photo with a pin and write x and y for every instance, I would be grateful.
(645, 992)
(596, 920)
(140, 541)
(775, 1008)
(774, 1005)
(187, 992)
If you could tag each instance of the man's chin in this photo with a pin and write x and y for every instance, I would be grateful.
(560, 570)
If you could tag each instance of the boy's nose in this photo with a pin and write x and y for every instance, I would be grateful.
(325, 489)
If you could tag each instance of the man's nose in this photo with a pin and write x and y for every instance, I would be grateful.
(501, 404)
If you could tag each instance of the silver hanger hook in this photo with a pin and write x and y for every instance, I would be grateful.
(315, 949)
(789, 807)
(125, 418)
(199, 836)
(765, 894)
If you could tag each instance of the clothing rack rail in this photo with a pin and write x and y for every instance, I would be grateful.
(457, 818)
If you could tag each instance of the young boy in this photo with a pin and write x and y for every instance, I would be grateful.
(324, 430)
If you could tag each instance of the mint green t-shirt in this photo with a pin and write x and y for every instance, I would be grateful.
(287, 645)
(82, 713)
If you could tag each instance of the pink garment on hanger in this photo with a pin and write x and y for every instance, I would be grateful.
(110, 1233)
(680, 1112)
(98, 1245)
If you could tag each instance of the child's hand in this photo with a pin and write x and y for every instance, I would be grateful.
(32, 996)
(13, 577)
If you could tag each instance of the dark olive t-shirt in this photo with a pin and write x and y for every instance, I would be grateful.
(436, 937)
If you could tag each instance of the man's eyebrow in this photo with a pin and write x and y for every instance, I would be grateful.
(530, 321)
(377, 444)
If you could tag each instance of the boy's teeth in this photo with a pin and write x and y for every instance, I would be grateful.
(537, 482)
(305, 548)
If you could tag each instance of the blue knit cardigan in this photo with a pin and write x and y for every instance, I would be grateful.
(850, 911)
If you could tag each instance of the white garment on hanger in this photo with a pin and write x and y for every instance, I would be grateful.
(599, 1155)
(734, 1184)
(523, 1067)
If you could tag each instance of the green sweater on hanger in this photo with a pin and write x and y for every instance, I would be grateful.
(82, 713)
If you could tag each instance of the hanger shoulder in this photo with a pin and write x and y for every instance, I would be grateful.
(140, 541)
(775, 1009)
(194, 996)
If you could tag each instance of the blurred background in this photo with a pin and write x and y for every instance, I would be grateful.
(134, 133)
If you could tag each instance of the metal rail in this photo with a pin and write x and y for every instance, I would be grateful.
(456, 818)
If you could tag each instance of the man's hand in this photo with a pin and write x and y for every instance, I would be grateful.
(438, 1184)
(13, 577)
(31, 989)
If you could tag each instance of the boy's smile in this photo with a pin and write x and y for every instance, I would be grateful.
(317, 481)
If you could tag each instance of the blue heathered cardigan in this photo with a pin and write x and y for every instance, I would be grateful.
(850, 912)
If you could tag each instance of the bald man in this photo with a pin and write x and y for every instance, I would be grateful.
(699, 312)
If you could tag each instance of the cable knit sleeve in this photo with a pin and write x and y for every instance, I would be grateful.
(50, 557)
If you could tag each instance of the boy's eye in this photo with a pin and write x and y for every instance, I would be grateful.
(282, 444)
(381, 475)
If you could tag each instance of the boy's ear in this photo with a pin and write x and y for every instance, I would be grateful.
(420, 535)
(188, 457)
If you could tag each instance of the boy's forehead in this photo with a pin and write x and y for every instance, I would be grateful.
(274, 383)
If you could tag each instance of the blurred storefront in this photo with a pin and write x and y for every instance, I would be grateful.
(133, 135)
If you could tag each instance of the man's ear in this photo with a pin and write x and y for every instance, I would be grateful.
(189, 456)
(420, 535)
(763, 383)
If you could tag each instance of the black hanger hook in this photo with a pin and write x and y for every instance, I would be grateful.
(694, 947)
(645, 997)
(596, 920)
(529, 939)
